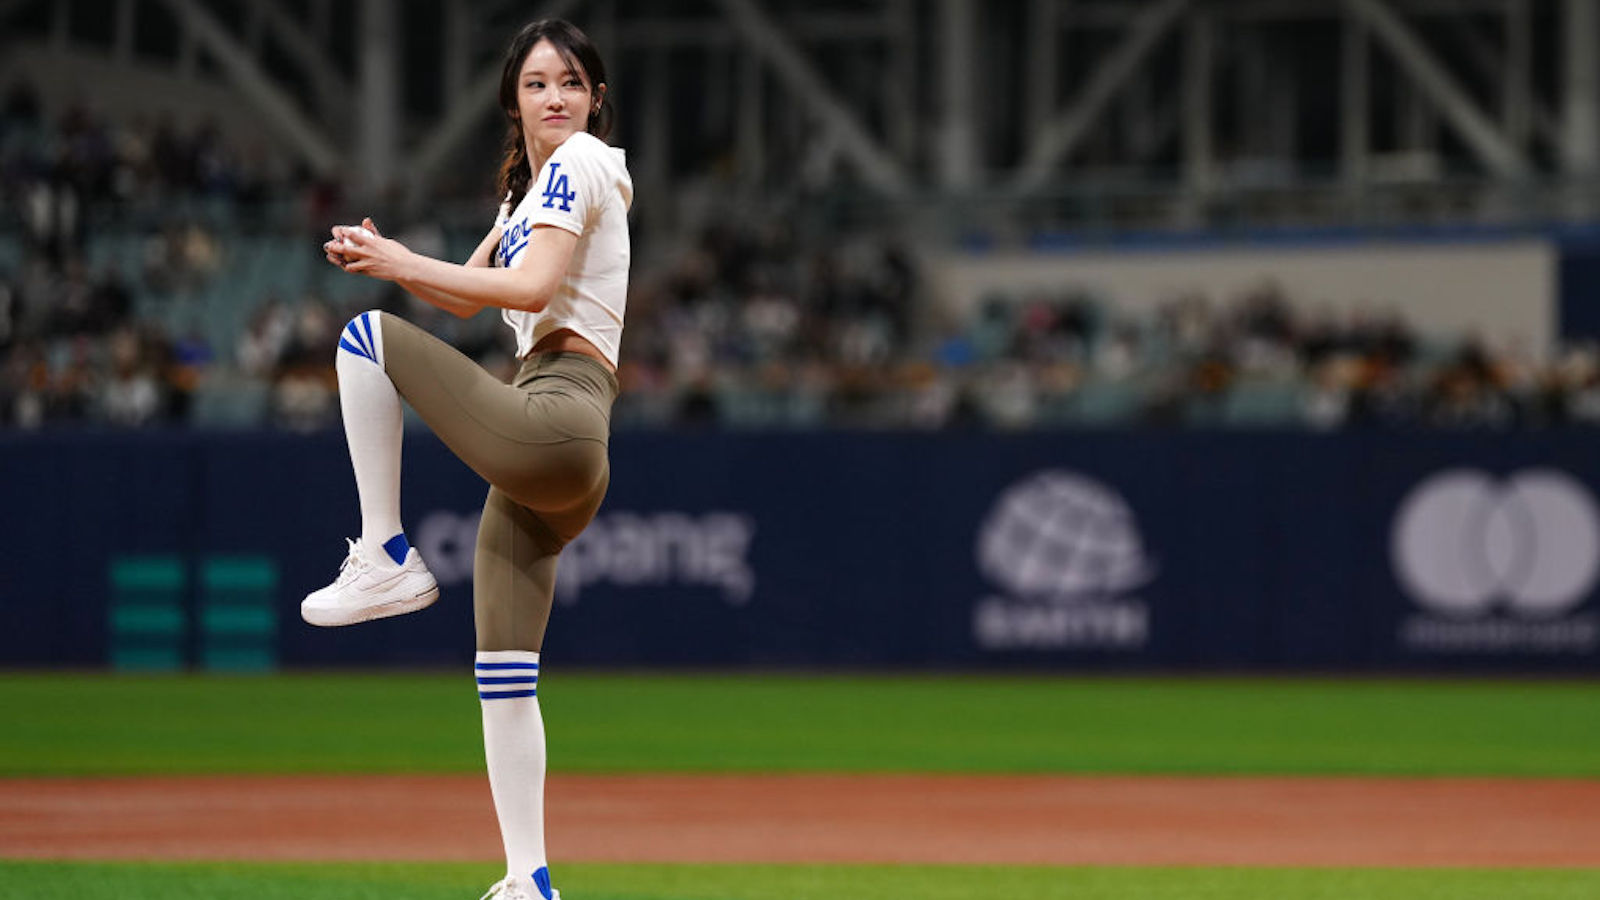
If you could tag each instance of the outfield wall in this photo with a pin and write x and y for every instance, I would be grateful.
(1093, 550)
(1508, 287)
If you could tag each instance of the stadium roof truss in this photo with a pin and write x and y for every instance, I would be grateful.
(906, 99)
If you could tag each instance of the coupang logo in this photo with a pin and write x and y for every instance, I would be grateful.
(1067, 554)
(623, 549)
(1498, 566)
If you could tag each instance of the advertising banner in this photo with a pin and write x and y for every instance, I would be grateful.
(1216, 551)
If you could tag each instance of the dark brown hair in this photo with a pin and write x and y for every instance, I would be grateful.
(579, 53)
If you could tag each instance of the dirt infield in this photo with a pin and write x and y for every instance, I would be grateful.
(821, 818)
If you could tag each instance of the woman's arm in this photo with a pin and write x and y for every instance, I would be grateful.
(451, 304)
(464, 289)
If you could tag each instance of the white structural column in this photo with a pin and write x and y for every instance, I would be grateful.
(903, 112)
(1580, 128)
(958, 131)
(1355, 103)
(751, 149)
(378, 110)
(1516, 99)
(1060, 136)
(1475, 128)
(1044, 64)
(1198, 61)
(278, 111)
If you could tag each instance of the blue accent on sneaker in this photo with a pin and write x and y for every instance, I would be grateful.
(397, 547)
(541, 880)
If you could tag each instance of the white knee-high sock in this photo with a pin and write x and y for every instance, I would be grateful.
(513, 745)
(373, 429)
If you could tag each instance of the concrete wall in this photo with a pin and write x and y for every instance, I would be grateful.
(1503, 288)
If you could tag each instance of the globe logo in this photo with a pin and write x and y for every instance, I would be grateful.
(1465, 543)
(1059, 537)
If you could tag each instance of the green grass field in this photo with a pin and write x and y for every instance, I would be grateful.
(91, 724)
(345, 881)
(96, 724)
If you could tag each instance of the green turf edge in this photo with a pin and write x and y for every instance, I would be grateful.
(100, 724)
(50, 880)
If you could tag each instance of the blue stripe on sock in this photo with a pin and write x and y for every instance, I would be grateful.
(505, 695)
(344, 343)
(506, 665)
(372, 345)
(509, 679)
(356, 337)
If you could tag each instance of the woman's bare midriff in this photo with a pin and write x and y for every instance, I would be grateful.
(568, 341)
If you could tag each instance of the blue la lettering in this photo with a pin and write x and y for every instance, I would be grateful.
(558, 189)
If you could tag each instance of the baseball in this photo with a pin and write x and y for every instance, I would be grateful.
(356, 228)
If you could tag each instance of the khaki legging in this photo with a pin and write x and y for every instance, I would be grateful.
(540, 442)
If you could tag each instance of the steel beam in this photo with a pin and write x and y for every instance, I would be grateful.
(480, 97)
(718, 32)
(1062, 135)
(307, 53)
(278, 111)
(877, 168)
(1494, 69)
(1491, 146)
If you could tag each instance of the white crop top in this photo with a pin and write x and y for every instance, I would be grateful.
(584, 188)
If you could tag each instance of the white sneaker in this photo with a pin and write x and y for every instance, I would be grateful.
(513, 889)
(365, 591)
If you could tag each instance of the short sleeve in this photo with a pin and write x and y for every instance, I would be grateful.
(571, 186)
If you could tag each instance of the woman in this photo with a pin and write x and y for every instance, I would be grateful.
(556, 265)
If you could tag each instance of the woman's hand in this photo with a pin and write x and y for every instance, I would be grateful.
(372, 254)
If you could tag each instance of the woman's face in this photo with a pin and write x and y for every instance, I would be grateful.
(553, 100)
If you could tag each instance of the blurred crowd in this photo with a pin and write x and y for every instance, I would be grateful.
(751, 324)
(752, 330)
(60, 177)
